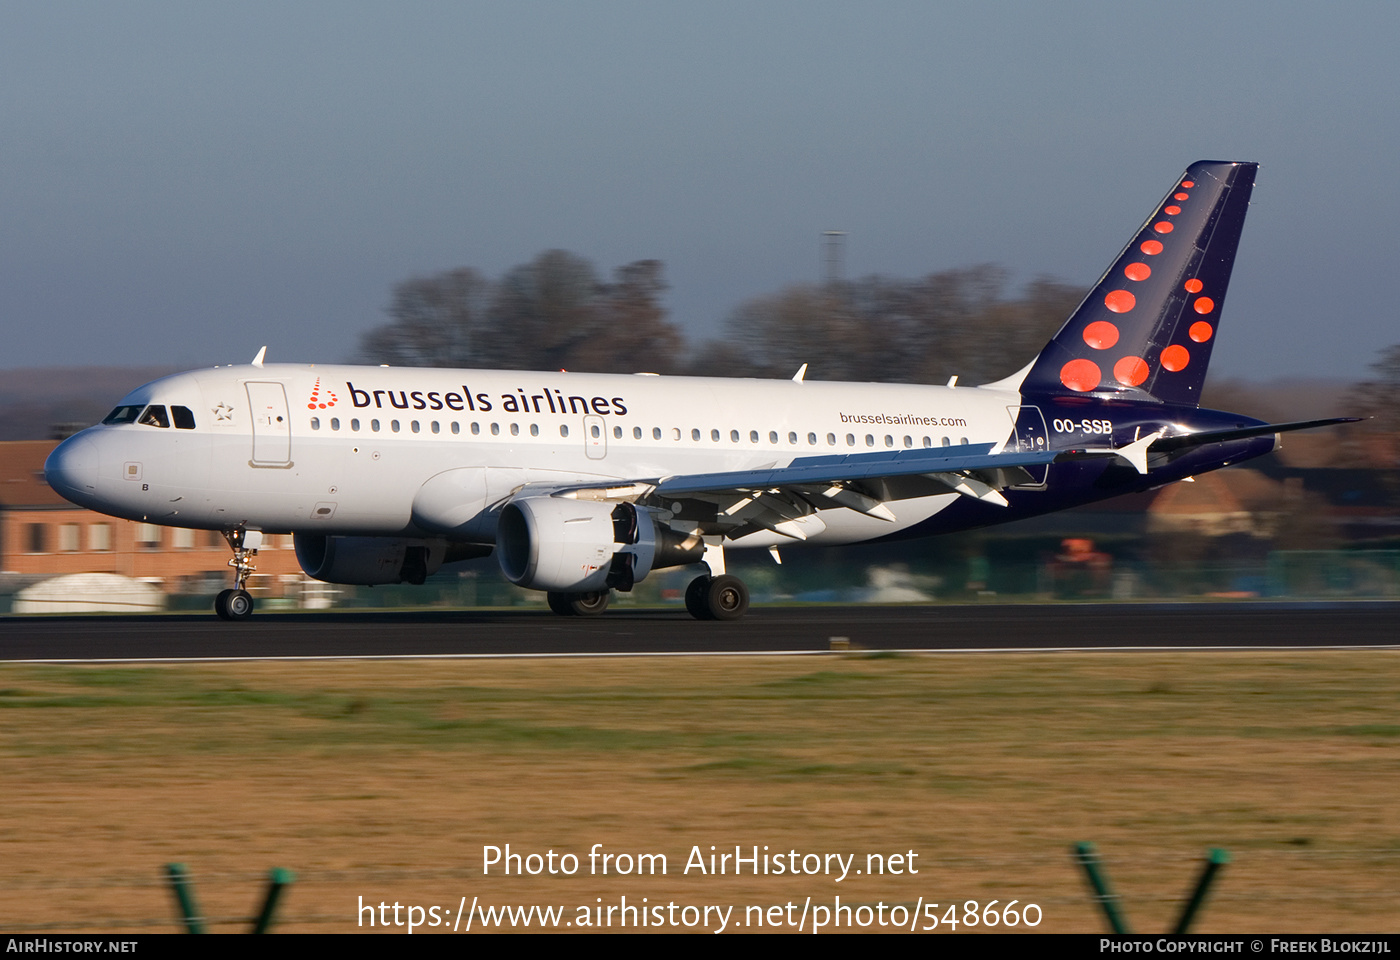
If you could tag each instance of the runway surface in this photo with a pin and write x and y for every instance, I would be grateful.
(766, 629)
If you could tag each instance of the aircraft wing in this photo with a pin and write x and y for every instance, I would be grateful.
(854, 467)
(784, 499)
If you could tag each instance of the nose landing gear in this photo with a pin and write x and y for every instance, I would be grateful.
(237, 604)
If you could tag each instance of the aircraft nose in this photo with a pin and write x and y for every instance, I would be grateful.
(72, 469)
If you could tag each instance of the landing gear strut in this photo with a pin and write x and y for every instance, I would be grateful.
(237, 604)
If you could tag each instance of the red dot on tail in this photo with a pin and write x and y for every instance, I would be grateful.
(1151, 247)
(1175, 358)
(1194, 286)
(1130, 371)
(1162, 227)
(1201, 331)
(1188, 184)
(1181, 196)
(1120, 301)
(1080, 375)
(1100, 334)
(1137, 271)
(1203, 305)
(1173, 210)
(311, 406)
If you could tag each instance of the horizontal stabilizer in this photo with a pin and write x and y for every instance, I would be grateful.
(1167, 444)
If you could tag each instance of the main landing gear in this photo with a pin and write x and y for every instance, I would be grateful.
(717, 598)
(579, 604)
(713, 596)
(237, 604)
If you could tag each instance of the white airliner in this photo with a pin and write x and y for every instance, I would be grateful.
(583, 484)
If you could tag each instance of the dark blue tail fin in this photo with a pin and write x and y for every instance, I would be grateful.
(1147, 328)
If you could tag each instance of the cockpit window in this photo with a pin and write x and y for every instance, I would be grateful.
(124, 414)
(155, 416)
(184, 417)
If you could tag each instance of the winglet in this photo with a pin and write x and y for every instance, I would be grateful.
(258, 360)
(801, 372)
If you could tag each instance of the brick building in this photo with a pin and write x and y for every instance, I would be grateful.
(41, 534)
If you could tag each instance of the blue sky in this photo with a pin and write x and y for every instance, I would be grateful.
(183, 183)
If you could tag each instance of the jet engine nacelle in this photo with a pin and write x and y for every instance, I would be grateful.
(367, 561)
(578, 546)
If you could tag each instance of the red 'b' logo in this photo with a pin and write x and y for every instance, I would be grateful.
(319, 401)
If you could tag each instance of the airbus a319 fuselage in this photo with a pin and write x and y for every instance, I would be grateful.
(585, 483)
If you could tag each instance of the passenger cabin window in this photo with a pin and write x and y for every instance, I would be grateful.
(155, 416)
(184, 418)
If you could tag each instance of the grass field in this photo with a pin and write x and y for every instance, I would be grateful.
(386, 780)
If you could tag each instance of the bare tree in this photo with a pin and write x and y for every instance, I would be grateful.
(550, 313)
(433, 321)
(879, 328)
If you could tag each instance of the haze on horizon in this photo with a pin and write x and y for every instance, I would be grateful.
(187, 183)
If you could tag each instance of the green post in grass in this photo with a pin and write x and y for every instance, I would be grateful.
(179, 879)
(1107, 900)
(1214, 861)
(277, 880)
